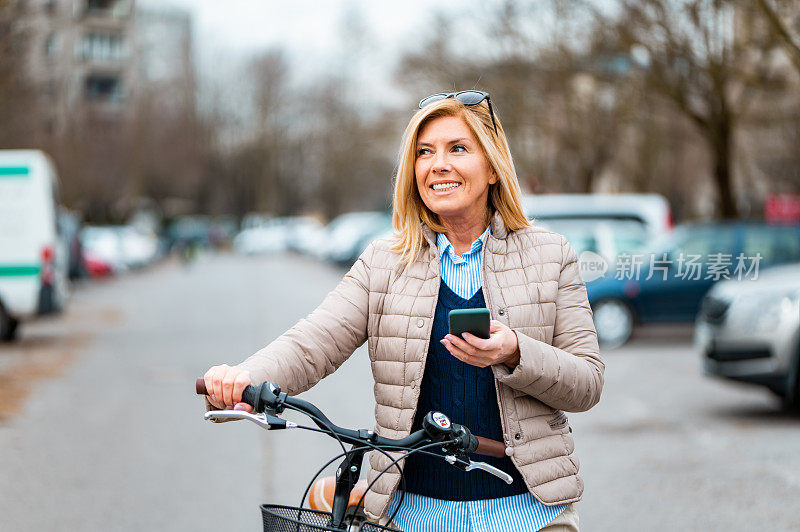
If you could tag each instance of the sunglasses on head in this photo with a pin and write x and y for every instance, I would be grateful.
(465, 97)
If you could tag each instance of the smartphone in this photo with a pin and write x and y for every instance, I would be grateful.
(472, 320)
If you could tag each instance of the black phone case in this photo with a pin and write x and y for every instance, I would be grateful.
(472, 320)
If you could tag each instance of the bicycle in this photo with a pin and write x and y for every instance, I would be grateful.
(268, 402)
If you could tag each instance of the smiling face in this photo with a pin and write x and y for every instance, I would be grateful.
(452, 173)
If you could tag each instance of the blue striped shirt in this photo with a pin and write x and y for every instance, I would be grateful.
(462, 274)
(520, 513)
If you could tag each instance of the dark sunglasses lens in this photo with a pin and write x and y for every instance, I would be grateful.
(432, 98)
(471, 97)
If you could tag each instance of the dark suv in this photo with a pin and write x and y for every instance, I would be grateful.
(666, 283)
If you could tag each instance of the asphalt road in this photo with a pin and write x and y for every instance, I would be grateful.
(100, 430)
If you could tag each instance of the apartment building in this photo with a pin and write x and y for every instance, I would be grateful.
(90, 59)
(81, 58)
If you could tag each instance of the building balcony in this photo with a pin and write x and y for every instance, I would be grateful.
(104, 50)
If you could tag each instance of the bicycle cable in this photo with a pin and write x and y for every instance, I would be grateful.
(345, 452)
(396, 462)
(327, 425)
(369, 445)
(322, 469)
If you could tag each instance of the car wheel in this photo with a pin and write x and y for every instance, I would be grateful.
(791, 399)
(8, 326)
(613, 321)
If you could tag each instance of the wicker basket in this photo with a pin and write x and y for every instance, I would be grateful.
(279, 518)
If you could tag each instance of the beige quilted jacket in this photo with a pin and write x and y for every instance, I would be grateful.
(530, 282)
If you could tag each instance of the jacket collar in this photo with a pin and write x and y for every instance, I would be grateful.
(498, 231)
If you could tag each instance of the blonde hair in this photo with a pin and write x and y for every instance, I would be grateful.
(409, 210)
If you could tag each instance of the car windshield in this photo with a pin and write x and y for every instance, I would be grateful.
(696, 240)
(667, 242)
(598, 234)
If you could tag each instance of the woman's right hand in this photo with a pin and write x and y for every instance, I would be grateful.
(225, 384)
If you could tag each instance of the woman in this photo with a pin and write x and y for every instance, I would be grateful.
(463, 242)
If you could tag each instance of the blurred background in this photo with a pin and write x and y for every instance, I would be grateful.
(180, 181)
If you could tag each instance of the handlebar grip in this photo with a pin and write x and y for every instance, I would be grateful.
(489, 447)
(249, 394)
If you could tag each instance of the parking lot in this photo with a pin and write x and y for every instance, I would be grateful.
(100, 428)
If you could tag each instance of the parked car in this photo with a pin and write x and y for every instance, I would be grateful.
(270, 237)
(606, 237)
(606, 224)
(120, 247)
(96, 267)
(676, 272)
(101, 244)
(33, 251)
(749, 331)
(348, 232)
(306, 235)
(69, 223)
(139, 247)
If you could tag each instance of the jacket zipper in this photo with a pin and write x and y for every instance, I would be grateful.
(503, 420)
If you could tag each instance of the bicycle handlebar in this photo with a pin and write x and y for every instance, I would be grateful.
(268, 395)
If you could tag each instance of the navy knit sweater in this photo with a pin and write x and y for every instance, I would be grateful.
(467, 395)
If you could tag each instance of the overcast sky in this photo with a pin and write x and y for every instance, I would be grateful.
(311, 31)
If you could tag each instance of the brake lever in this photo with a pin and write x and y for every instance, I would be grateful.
(266, 421)
(469, 465)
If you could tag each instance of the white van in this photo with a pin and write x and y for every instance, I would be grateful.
(33, 255)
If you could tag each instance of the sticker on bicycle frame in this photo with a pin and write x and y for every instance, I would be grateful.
(441, 420)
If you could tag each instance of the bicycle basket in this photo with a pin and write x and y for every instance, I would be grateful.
(279, 518)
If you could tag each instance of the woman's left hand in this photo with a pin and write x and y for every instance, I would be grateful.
(502, 347)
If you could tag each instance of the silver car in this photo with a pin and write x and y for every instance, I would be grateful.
(749, 331)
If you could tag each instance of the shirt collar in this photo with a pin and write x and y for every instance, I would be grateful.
(499, 231)
(443, 245)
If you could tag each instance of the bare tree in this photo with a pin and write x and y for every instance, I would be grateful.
(19, 106)
(269, 74)
(787, 35)
(561, 107)
(690, 58)
(350, 157)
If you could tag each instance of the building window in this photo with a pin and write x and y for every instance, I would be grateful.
(106, 8)
(103, 88)
(103, 47)
(99, 5)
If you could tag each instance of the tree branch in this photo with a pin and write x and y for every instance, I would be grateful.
(790, 44)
